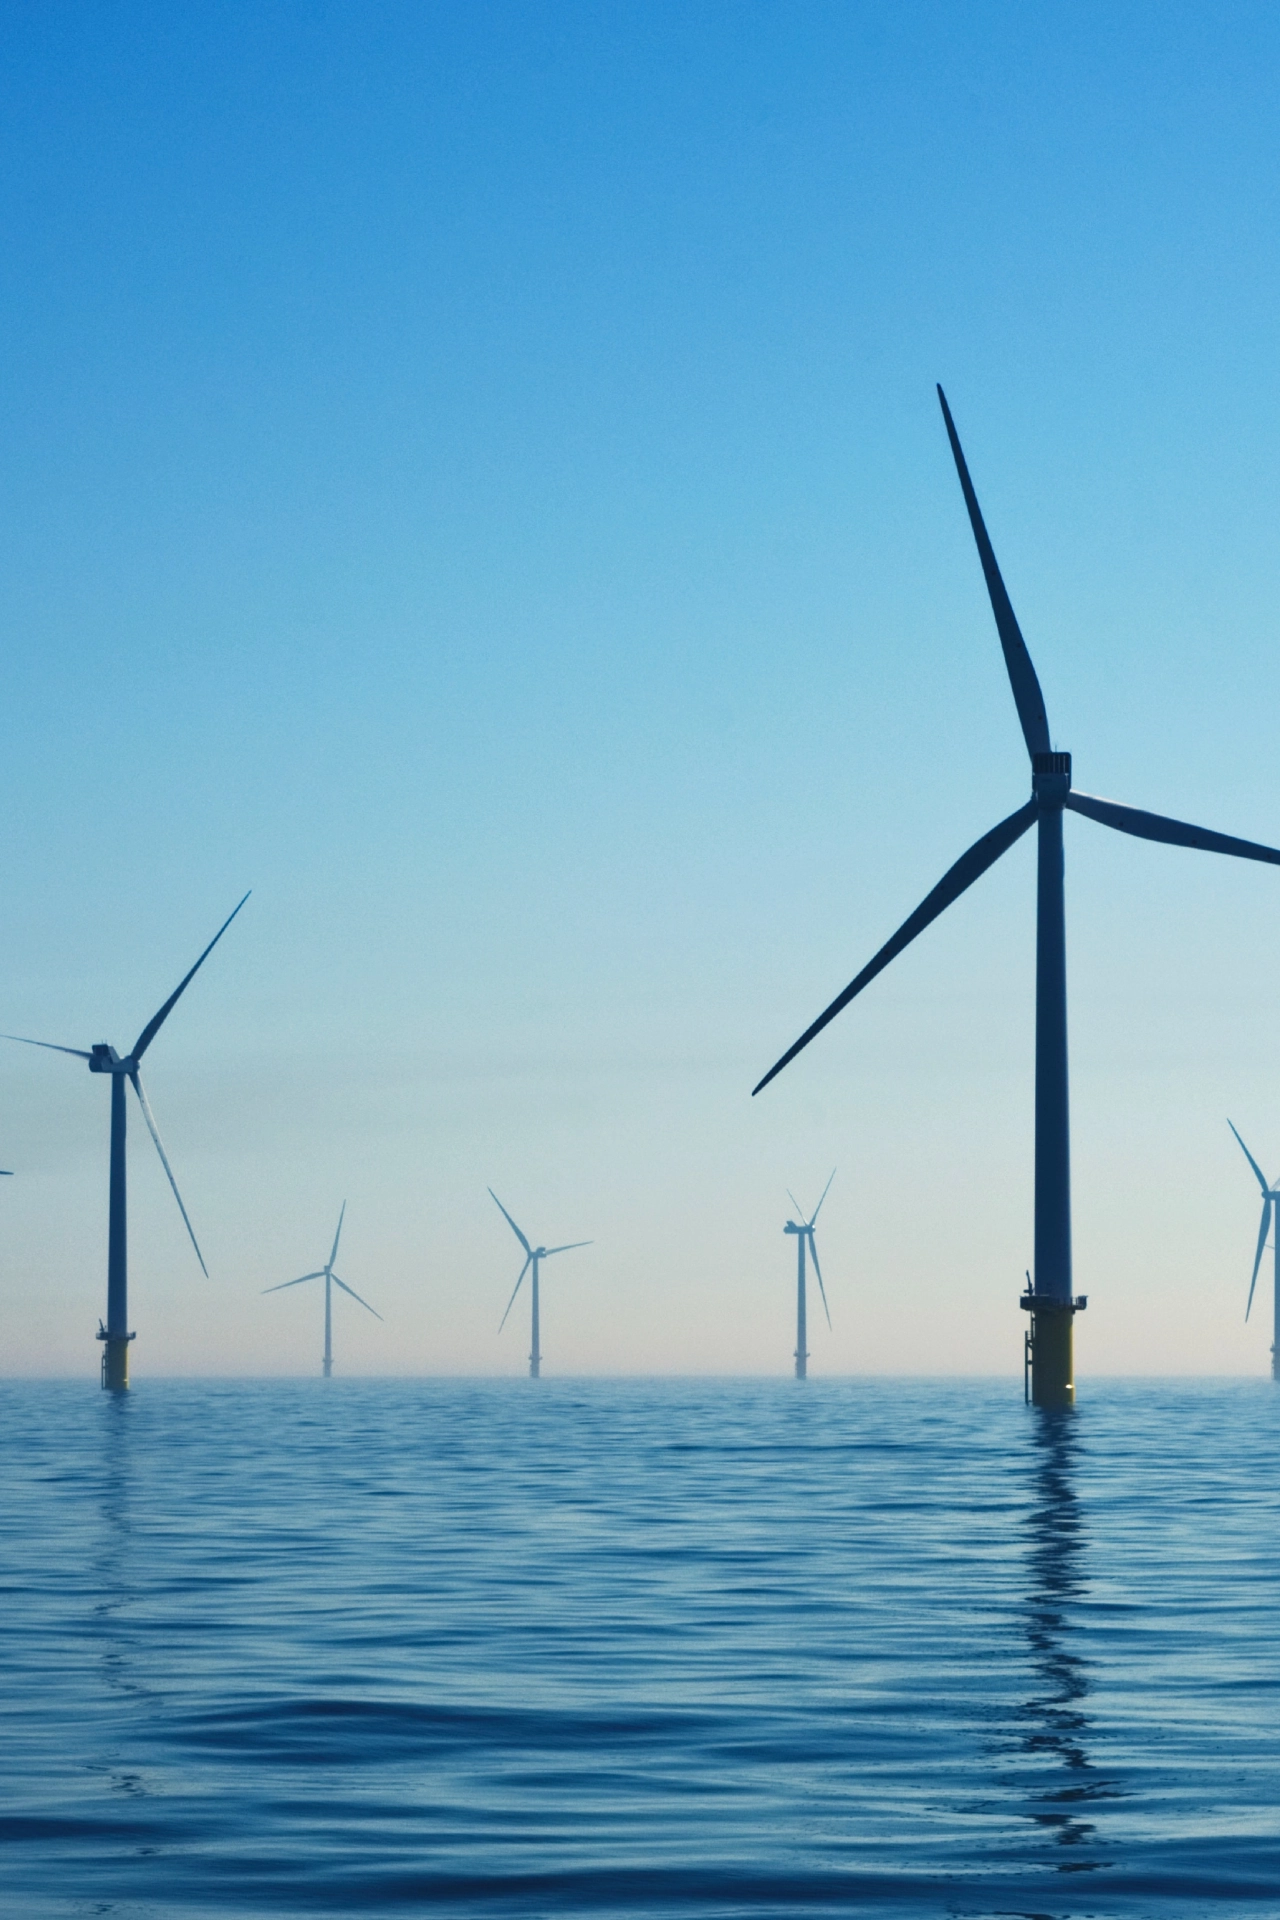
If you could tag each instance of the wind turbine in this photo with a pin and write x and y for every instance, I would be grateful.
(331, 1280)
(804, 1232)
(533, 1258)
(104, 1059)
(1270, 1196)
(1049, 1299)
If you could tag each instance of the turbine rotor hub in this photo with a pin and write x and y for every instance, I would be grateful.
(1051, 778)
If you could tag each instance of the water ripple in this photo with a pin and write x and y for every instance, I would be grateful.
(631, 1648)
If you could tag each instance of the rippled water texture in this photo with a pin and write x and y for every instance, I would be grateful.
(632, 1648)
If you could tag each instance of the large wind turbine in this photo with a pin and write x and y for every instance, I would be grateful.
(327, 1274)
(104, 1059)
(533, 1258)
(1270, 1196)
(803, 1230)
(1049, 1300)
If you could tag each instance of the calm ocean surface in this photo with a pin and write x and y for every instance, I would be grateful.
(639, 1647)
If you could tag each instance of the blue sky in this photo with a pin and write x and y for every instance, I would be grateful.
(472, 473)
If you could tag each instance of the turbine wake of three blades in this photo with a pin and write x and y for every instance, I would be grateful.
(327, 1272)
(1032, 716)
(1270, 1194)
(104, 1059)
(530, 1253)
(805, 1228)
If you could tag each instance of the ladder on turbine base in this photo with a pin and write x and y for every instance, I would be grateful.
(110, 1341)
(1031, 1306)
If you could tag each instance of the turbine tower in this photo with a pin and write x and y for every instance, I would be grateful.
(102, 1058)
(534, 1256)
(331, 1280)
(1270, 1195)
(804, 1232)
(1049, 1300)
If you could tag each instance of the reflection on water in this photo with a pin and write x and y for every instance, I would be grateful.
(112, 1585)
(621, 1650)
(114, 1537)
(1056, 1721)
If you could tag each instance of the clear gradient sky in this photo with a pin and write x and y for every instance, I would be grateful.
(472, 474)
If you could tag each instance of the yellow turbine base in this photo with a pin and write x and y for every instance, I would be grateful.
(115, 1364)
(1053, 1379)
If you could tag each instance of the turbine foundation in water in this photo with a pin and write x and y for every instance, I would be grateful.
(115, 1360)
(1049, 1370)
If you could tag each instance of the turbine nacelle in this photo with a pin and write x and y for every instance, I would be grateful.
(1051, 778)
(105, 1059)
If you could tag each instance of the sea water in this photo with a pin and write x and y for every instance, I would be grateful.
(633, 1647)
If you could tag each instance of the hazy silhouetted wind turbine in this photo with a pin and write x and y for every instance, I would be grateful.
(534, 1256)
(104, 1059)
(1270, 1196)
(1050, 1301)
(331, 1280)
(803, 1230)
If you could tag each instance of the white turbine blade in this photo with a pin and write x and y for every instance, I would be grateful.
(50, 1045)
(157, 1020)
(515, 1290)
(136, 1078)
(295, 1283)
(337, 1236)
(510, 1222)
(356, 1296)
(1173, 833)
(956, 880)
(813, 1249)
(566, 1249)
(1252, 1162)
(795, 1203)
(1257, 1258)
(825, 1191)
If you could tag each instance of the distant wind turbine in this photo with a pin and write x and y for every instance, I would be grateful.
(1270, 1196)
(330, 1278)
(533, 1258)
(1050, 1300)
(804, 1232)
(104, 1059)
